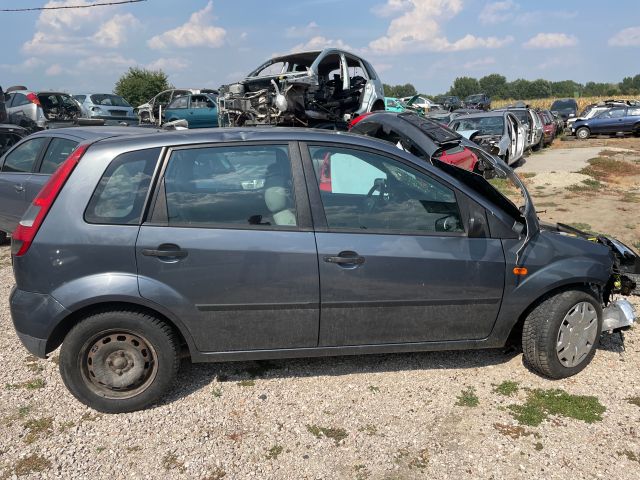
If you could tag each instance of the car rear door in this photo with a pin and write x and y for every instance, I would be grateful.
(16, 169)
(396, 262)
(229, 247)
(57, 150)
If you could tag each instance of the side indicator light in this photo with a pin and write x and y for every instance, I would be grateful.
(520, 270)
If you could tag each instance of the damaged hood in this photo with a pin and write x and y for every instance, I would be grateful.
(468, 134)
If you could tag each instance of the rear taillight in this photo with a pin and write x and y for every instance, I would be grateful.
(356, 120)
(33, 98)
(28, 227)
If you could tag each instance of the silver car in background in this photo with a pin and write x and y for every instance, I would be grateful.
(106, 106)
(532, 124)
(40, 110)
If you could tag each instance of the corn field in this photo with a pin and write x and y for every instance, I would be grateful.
(545, 103)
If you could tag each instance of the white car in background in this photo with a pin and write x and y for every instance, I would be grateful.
(423, 103)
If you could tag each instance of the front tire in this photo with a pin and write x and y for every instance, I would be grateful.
(560, 335)
(583, 133)
(119, 361)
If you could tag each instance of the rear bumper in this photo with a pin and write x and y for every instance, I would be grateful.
(34, 317)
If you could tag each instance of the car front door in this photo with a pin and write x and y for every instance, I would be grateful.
(609, 122)
(15, 171)
(396, 262)
(230, 250)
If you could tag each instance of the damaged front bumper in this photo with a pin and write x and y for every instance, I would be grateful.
(618, 315)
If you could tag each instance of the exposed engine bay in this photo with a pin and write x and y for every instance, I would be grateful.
(625, 279)
(59, 107)
(310, 89)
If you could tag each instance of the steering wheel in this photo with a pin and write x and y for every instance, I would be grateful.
(371, 202)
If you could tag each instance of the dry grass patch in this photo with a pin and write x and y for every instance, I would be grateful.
(603, 168)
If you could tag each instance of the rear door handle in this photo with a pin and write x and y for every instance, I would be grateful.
(165, 251)
(345, 258)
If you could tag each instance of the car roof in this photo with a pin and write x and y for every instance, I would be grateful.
(492, 113)
(95, 132)
(8, 127)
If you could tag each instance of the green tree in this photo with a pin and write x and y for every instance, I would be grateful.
(519, 89)
(566, 88)
(598, 89)
(139, 85)
(464, 86)
(630, 85)
(494, 85)
(539, 89)
(399, 91)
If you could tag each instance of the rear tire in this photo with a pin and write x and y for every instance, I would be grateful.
(583, 133)
(119, 361)
(560, 335)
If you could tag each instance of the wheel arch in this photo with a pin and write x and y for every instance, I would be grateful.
(65, 325)
(378, 105)
(594, 289)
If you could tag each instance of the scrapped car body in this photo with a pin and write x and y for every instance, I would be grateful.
(113, 109)
(614, 121)
(480, 101)
(421, 103)
(532, 123)
(222, 244)
(4, 118)
(393, 105)
(153, 110)
(9, 136)
(40, 110)
(565, 107)
(548, 126)
(425, 138)
(499, 133)
(198, 109)
(323, 89)
(449, 102)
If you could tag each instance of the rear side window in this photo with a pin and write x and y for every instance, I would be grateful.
(248, 186)
(122, 190)
(23, 157)
(57, 152)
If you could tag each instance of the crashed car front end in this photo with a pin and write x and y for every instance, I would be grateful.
(307, 89)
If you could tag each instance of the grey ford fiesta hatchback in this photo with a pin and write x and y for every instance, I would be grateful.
(269, 243)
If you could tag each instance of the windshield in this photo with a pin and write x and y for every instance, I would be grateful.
(485, 125)
(109, 100)
(562, 105)
(474, 98)
(521, 115)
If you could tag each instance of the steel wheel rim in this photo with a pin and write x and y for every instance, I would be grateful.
(582, 134)
(118, 364)
(577, 334)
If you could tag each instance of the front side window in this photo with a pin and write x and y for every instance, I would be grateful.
(24, 156)
(617, 113)
(122, 190)
(368, 192)
(57, 152)
(248, 186)
(180, 102)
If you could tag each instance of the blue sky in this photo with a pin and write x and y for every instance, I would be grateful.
(205, 43)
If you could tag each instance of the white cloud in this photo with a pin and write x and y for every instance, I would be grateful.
(392, 7)
(72, 32)
(382, 67)
(418, 29)
(551, 40)
(319, 42)
(197, 32)
(110, 60)
(629, 37)
(497, 12)
(113, 32)
(479, 63)
(301, 32)
(168, 64)
(28, 65)
(53, 70)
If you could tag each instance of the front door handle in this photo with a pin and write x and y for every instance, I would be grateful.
(345, 258)
(19, 187)
(166, 250)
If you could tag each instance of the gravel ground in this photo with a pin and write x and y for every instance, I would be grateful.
(385, 417)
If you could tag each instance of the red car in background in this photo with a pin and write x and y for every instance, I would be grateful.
(420, 136)
(549, 127)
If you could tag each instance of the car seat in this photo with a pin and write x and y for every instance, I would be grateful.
(277, 192)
